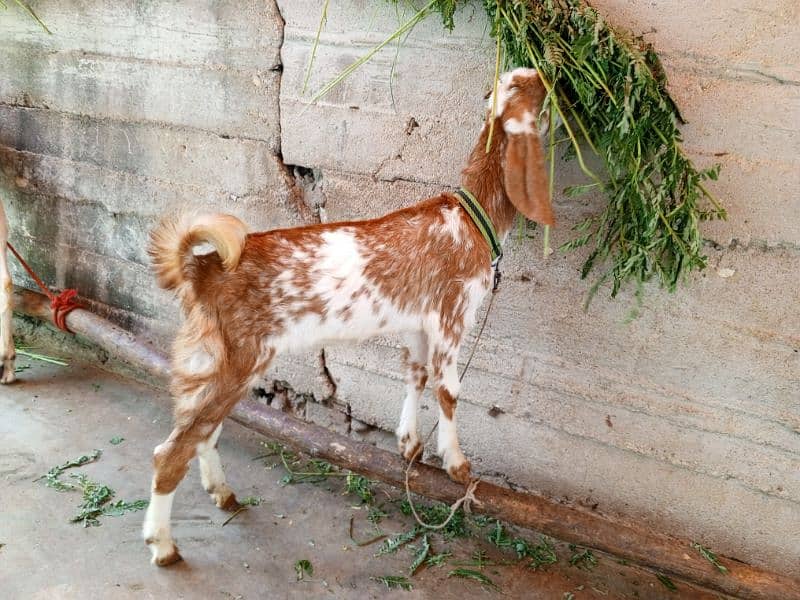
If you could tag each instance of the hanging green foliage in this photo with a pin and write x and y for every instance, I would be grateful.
(608, 90)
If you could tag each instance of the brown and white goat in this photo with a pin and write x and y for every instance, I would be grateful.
(421, 271)
(7, 352)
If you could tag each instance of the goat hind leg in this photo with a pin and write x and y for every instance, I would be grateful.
(199, 415)
(212, 475)
(7, 352)
(170, 464)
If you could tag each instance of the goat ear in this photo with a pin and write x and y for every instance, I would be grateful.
(526, 177)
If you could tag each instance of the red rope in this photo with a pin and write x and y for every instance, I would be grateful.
(62, 304)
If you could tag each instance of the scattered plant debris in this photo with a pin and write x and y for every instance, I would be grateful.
(482, 520)
(116, 440)
(437, 560)
(96, 497)
(710, 557)
(52, 477)
(391, 545)
(234, 514)
(418, 539)
(582, 558)
(303, 568)
(360, 486)
(437, 513)
(376, 514)
(475, 576)
(394, 582)
(315, 470)
(28, 351)
(541, 554)
(251, 501)
(420, 555)
(479, 559)
(97, 502)
(667, 582)
(372, 540)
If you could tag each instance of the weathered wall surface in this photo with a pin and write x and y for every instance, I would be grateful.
(687, 417)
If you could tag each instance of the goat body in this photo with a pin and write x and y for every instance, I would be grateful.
(421, 271)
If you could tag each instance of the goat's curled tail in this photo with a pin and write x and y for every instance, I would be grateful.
(171, 244)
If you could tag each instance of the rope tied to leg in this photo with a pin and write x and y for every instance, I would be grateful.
(466, 500)
(61, 304)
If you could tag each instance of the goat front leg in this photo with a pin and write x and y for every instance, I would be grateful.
(446, 386)
(415, 355)
(7, 352)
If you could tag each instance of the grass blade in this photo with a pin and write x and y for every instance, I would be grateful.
(33, 15)
(407, 26)
(322, 20)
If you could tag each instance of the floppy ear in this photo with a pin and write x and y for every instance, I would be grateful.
(526, 178)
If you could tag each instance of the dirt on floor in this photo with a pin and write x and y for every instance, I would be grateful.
(54, 414)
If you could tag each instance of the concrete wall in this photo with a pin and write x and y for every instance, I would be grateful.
(687, 417)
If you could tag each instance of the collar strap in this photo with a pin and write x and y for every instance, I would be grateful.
(482, 221)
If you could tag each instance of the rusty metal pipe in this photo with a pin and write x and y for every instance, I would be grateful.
(119, 343)
(624, 539)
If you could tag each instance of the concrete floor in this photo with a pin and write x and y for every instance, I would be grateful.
(57, 413)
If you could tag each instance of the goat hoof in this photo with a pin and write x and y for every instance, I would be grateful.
(164, 553)
(224, 498)
(169, 559)
(7, 373)
(229, 503)
(461, 473)
(410, 447)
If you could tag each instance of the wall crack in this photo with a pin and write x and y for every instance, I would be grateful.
(306, 196)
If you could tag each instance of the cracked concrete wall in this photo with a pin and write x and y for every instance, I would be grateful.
(687, 417)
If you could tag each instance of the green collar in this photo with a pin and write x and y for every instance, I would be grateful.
(482, 222)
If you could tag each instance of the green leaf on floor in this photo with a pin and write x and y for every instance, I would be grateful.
(420, 555)
(96, 497)
(393, 543)
(667, 582)
(710, 557)
(474, 576)
(394, 582)
(52, 477)
(303, 568)
(251, 501)
(582, 558)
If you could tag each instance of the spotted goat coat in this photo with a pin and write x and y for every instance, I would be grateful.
(7, 352)
(421, 271)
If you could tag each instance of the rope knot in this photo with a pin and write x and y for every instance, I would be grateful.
(62, 305)
(469, 496)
